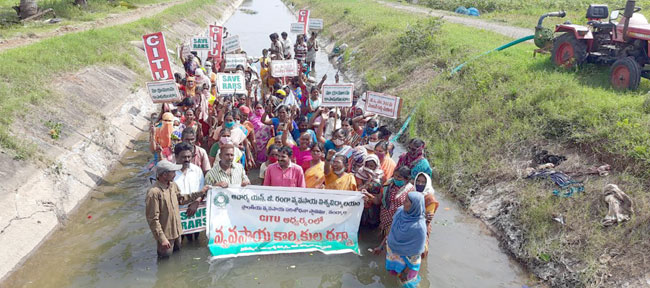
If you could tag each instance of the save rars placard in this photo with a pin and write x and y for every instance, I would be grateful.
(156, 50)
(382, 104)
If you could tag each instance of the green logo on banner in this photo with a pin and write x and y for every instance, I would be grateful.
(221, 200)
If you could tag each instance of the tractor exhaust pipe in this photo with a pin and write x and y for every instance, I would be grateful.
(627, 13)
(560, 14)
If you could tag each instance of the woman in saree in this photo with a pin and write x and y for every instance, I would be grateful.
(263, 132)
(406, 241)
(387, 164)
(424, 185)
(315, 175)
(392, 197)
(414, 158)
(369, 179)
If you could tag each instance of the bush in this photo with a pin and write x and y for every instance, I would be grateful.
(418, 39)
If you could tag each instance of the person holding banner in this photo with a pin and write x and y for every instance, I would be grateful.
(189, 179)
(335, 176)
(284, 173)
(406, 241)
(161, 209)
(227, 172)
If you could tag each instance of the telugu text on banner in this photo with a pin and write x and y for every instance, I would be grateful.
(257, 220)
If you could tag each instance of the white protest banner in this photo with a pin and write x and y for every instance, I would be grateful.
(231, 44)
(156, 50)
(231, 83)
(315, 24)
(200, 44)
(303, 17)
(257, 220)
(297, 28)
(197, 222)
(284, 68)
(164, 91)
(382, 104)
(337, 95)
(232, 60)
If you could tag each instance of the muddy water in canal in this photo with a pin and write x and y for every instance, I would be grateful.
(107, 242)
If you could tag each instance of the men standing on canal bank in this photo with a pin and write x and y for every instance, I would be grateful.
(162, 211)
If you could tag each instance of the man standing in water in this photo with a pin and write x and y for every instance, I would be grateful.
(162, 211)
(284, 173)
(189, 178)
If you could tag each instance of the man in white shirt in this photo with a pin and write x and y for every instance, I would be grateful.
(189, 179)
(286, 43)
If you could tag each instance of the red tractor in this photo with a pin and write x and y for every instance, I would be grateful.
(623, 45)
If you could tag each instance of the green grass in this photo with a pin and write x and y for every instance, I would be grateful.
(27, 71)
(64, 9)
(525, 13)
(477, 122)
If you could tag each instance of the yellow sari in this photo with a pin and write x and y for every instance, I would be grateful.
(345, 182)
(315, 175)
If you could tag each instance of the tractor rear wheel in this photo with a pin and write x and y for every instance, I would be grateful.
(625, 74)
(568, 52)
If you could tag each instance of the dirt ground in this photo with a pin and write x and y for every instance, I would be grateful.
(111, 20)
(510, 31)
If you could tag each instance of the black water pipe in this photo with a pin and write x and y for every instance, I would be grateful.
(560, 14)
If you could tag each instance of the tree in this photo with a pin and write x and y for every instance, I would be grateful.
(27, 8)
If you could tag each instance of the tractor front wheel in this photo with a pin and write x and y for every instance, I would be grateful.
(568, 52)
(625, 74)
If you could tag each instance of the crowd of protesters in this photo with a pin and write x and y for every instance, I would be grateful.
(276, 133)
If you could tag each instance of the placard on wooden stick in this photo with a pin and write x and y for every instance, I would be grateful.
(284, 68)
(382, 104)
(164, 91)
(233, 60)
(229, 83)
(231, 44)
(337, 95)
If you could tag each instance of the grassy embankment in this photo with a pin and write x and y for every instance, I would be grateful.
(525, 13)
(481, 121)
(27, 71)
(69, 14)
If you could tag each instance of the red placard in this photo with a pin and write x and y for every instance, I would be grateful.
(216, 41)
(303, 17)
(156, 50)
